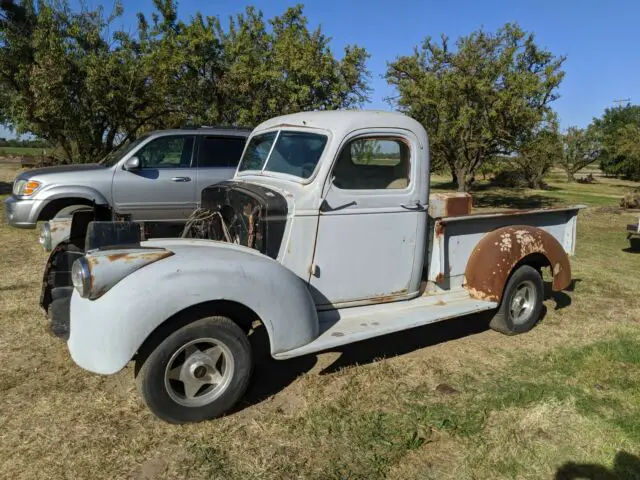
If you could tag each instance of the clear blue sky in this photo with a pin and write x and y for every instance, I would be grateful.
(599, 38)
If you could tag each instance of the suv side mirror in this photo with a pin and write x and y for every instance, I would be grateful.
(132, 163)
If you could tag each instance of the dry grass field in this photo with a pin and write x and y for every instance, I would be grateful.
(448, 401)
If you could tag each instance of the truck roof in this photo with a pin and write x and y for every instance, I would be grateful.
(341, 122)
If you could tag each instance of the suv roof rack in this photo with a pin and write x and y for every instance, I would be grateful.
(216, 127)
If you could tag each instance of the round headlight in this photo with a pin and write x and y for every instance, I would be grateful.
(81, 277)
(45, 236)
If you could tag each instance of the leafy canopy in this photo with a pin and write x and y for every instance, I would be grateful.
(68, 77)
(482, 98)
(618, 129)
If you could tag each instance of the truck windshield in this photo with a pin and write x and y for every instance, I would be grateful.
(112, 157)
(294, 153)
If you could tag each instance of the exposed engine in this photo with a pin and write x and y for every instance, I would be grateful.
(241, 213)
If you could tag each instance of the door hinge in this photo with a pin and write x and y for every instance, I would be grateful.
(314, 270)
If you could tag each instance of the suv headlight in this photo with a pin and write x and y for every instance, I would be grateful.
(81, 277)
(25, 188)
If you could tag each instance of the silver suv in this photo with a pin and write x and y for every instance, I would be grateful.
(158, 177)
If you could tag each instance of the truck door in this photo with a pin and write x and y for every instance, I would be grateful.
(164, 186)
(371, 222)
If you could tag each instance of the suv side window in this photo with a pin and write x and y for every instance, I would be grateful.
(373, 163)
(220, 151)
(173, 151)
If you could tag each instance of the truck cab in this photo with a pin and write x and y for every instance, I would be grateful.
(326, 235)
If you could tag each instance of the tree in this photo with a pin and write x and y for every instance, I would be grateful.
(627, 147)
(616, 128)
(479, 99)
(70, 78)
(580, 148)
(538, 154)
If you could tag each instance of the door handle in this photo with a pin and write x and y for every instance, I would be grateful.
(414, 206)
(325, 207)
(181, 179)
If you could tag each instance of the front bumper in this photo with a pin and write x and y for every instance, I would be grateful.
(22, 213)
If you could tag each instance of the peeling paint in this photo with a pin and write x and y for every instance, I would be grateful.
(503, 250)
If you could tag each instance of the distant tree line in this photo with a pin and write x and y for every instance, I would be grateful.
(15, 142)
(72, 79)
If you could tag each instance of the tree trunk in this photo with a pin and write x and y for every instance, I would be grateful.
(454, 177)
(570, 176)
(461, 180)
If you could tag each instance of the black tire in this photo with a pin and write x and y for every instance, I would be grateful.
(161, 393)
(505, 320)
(634, 243)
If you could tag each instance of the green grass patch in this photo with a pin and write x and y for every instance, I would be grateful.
(596, 384)
(23, 151)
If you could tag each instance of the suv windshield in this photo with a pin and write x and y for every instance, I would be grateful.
(112, 158)
(294, 153)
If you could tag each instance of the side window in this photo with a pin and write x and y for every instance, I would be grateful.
(220, 151)
(373, 164)
(167, 152)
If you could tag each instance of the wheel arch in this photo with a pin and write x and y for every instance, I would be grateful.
(500, 252)
(54, 206)
(240, 314)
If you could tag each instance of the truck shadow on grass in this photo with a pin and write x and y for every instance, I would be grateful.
(625, 466)
(519, 202)
(272, 376)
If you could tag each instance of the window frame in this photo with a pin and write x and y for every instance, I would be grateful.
(377, 136)
(162, 137)
(285, 176)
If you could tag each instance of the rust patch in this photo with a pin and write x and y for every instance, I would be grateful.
(450, 204)
(390, 297)
(439, 277)
(441, 303)
(487, 272)
(439, 229)
(116, 256)
(133, 256)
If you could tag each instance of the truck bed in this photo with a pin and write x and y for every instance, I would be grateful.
(454, 238)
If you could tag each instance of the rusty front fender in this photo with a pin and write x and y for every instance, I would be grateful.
(495, 256)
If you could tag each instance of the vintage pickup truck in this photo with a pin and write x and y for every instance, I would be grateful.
(326, 235)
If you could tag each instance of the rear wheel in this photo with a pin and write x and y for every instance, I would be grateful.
(634, 243)
(196, 373)
(521, 304)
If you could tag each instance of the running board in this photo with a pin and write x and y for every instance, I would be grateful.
(349, 325)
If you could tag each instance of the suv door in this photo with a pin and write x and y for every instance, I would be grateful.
(217, 159)
(163, 188)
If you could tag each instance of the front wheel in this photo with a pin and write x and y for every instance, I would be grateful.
(196, 373)
(521, 304)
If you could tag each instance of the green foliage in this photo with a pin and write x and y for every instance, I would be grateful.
(67, 77)
(481, 99)
(580, 148)
(538, 154)
(620, 153)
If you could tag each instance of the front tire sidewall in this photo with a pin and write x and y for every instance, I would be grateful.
(150, 377)
(503, 321)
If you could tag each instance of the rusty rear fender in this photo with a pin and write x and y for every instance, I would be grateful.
(500, 251)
